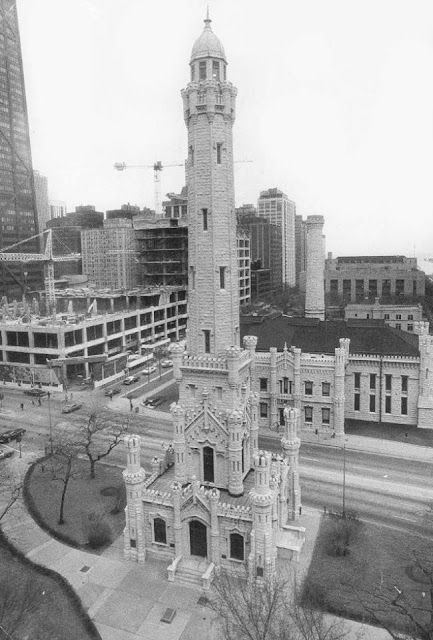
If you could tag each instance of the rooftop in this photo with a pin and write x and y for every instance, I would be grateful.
(314, 336)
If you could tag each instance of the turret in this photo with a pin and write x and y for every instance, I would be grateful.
(134, 475)
(179, 444)
(291, 443)
(236, 453)
(261, 562)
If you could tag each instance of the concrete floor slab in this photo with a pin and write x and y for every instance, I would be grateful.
(109, 573)
(89, 594)
(111, 633)
(138, 582)
(179, 597)
(48, 553)
(124, 611)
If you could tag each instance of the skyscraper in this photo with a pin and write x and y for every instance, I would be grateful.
(274, 205)
(18, 215)
(42, 202)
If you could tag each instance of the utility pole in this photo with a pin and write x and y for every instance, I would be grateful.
(344, 480)
(49, 417)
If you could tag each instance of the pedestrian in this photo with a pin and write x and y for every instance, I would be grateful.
(130, 405)
(22, 406)
(324, 509)
(300, 510)
(39, 401)
(33, 402)
(111, 395)
(72, 395)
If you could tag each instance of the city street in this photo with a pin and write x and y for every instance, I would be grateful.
(386, 490)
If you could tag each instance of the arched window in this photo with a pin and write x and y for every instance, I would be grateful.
(236, 546)
(159, 531)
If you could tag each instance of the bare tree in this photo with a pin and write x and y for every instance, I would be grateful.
(63, 466)
(403, 610)
(268, 610)
(99, 436)
(11, 485)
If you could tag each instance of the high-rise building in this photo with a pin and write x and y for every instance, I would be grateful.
(57, 209)
(109, 254)
(265, 249)
(42, 203)
(300, 246)
(274, 205)
(18, 214)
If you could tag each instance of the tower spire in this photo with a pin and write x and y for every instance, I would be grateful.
(207, 20)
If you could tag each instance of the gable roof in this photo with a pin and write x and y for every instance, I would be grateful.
(313, 336)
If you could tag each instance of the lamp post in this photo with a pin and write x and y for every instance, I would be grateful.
(344, 480)
(49, 418)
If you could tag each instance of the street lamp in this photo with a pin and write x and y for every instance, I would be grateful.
(344, 479)
(49, 417)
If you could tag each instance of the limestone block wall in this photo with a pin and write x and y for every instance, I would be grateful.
(388, 383)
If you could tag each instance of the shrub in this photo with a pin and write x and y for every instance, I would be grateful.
(96, 530)
(343, 531)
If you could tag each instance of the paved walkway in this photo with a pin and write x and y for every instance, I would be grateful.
(379, 446)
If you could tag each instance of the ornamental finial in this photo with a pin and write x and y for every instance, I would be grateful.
(207, 20)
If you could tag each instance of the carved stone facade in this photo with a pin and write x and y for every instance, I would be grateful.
(223, 504)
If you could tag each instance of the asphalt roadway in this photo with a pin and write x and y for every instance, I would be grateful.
(389, 491)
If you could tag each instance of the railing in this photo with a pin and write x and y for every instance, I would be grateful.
(207, 576)
(204, 362)
(172, 568)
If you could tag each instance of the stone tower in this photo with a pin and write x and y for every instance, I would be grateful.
(315, 288)
(209, 109)
(215, 420)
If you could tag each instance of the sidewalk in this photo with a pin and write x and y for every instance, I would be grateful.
(377, 446)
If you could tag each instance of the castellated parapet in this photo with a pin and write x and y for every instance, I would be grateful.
(315, 288)
(134, 476)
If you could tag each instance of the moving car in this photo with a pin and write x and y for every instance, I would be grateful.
(148, 370)
(6, 453)
(74, 406)
(165, 364)
(112, 392)
(130, 380)
(37, 393)
(11, 434)
(152, 402)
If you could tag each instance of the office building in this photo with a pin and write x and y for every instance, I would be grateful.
(57, 209)
(42, 202)
(357, 278)
(18, 212)
(276, 207)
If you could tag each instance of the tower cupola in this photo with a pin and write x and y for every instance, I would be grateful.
(208, 58)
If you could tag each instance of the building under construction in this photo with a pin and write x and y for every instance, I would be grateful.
(90, 336)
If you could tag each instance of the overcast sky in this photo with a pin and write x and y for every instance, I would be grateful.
(335, 105)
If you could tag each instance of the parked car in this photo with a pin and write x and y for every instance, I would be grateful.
(6, 453)
(152, 402)
(112, 391)
(11, 434)
(130, 380)
(165, 364)
(37, 393)
(73, 406)
(148, 370)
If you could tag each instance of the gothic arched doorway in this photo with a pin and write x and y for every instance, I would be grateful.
(198, 538)
(208, 465)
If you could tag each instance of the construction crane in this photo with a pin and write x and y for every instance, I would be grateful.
(157, 168)
(47, 258)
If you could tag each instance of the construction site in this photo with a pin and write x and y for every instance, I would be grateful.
(60, 337)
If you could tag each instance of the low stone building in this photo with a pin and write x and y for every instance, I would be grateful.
(400, 316)
(335, 370)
